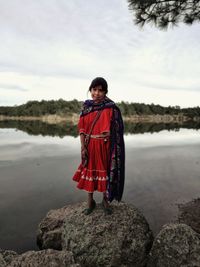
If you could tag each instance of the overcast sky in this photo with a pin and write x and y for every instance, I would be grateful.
(51, 49)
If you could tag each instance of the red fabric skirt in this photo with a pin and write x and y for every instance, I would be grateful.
(94, 176)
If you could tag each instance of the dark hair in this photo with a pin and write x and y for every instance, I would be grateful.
(99, 81)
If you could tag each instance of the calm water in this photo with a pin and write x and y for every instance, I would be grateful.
(37, 162)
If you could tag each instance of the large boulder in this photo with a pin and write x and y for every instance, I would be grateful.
(120, 239)
(175, 245)
(43, 258)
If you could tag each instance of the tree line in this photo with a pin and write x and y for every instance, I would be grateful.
(62, 108)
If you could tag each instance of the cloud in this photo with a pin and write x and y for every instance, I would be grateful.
(49, 46)
(12, 87)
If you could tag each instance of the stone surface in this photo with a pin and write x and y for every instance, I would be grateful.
(49, 232)
(120, 239)
(6, 256)
(44, 258)
(189, 213)
(176, 245)
(2, 262)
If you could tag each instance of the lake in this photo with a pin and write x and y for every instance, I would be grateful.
(38, 160)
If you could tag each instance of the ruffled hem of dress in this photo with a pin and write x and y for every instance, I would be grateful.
(91, 180)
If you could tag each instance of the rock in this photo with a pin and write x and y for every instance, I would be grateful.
(2, 262)
(189, 213)
(44, 258)
(121, 239)
(175, 245)
(6, 256)
(49, 232)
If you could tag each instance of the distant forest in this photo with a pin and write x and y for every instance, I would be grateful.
(61, 107)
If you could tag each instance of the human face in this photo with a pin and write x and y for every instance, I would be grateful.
(97, 94)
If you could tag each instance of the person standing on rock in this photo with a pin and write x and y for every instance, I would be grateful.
(101, 132)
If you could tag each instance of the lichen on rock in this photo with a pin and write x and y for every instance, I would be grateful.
(175, 245)
(120, 239)
(44, 258)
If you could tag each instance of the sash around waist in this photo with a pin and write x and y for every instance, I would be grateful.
(97, 136)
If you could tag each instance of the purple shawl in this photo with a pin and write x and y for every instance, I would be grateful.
(116, 170)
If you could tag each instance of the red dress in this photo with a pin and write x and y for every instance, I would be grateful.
(94, 176)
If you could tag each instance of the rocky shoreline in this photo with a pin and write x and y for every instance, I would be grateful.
(73, 118)
(67, 237)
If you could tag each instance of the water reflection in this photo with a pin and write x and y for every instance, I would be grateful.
(137, 128)
(36, 166)
(41, 128)
(64, 129)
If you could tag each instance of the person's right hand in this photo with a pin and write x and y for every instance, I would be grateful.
(84, 153)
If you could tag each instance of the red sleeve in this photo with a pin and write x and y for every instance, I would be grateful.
(81, 126)
(106, 120)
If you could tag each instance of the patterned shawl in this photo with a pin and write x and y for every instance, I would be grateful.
(116, 171)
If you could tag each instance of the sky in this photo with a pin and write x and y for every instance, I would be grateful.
(52, 49)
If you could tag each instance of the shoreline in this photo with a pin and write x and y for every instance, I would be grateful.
(73, 118)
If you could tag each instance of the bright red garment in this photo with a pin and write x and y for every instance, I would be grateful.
(94, 177)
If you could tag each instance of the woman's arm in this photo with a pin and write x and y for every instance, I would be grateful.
(84, 152)
(82, 139)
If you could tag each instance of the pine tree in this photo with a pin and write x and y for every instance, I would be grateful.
(163, 13)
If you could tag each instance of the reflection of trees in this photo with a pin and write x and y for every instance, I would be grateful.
(157, 127)
(63, 129)
(41, 128)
